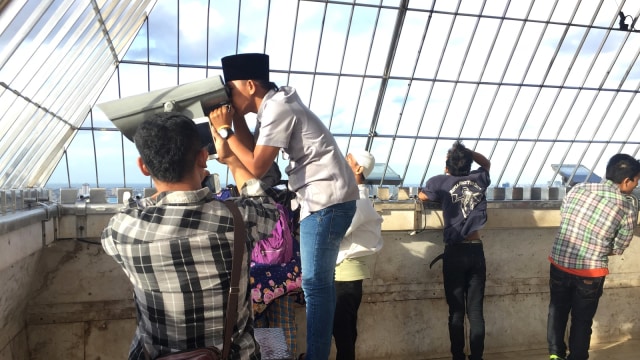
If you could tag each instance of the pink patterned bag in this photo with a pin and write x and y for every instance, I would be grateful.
(277, 248)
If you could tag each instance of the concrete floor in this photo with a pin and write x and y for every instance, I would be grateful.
(628, 349)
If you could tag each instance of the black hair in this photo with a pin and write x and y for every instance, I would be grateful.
(459, 160)
(622, 166)
(168, 144)
(267, 85)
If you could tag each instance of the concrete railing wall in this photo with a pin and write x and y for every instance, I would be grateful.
(67, 299)
(23, 235)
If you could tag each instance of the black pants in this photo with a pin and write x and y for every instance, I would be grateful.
(578, 296)
(464, 270)
(348, 298)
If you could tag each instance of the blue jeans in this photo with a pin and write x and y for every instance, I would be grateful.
(464, 272)
(320, 235)
(576, 295)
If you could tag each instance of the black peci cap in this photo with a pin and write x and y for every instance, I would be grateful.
(252, 66)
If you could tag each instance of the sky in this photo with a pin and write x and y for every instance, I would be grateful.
(546, 91)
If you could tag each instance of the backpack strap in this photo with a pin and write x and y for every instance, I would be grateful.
(239, 243)
(436, 259)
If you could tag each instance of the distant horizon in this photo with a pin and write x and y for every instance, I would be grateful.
(146, 185)
(105, 185)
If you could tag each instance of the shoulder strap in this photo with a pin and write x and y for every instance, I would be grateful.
(239, 243)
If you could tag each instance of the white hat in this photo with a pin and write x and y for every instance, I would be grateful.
(364, 159)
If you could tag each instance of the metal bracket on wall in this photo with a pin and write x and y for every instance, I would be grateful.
(81, 219)
(3, 202)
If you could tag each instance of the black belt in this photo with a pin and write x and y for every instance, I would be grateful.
(471, 241)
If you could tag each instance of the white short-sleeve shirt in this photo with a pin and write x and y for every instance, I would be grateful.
(317, 170)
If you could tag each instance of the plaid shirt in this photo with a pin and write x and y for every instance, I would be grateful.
(597, 221)
(177, 252)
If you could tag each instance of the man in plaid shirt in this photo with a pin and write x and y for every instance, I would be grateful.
(176, 246)
(597, 221)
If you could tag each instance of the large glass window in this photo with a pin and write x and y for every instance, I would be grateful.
(544, 82)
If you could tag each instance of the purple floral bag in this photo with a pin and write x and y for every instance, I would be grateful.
(277, 248)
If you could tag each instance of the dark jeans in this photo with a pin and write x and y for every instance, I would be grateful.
(576, 295)
(465, 273)
(345, 332)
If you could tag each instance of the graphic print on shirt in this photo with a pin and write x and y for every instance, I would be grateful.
(468, 193)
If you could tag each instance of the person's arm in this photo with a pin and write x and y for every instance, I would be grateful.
(481, 160)
(242, 131)
(429, 191)
(239, 172)
(624, 235)
(621, 242)
(257, 161)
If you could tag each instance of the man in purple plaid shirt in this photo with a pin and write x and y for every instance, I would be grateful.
(176, 246)
(597, 221)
